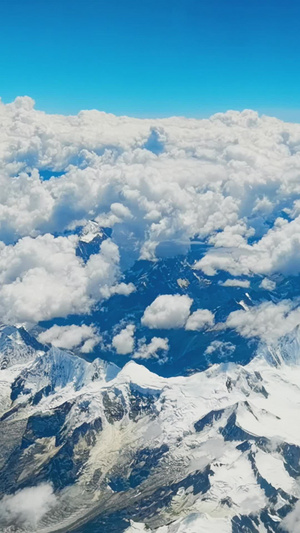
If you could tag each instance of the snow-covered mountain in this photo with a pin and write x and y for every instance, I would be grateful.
(217, 450)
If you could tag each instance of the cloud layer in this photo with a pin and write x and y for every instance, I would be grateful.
(228, 173)
(231, 180)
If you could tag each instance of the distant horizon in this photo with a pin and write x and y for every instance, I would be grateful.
(285, 115)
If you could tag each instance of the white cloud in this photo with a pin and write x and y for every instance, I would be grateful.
(199, 320)
(122, 288)
(69, 337)
(223, 179)
(118, 213)
(215, 177)
(224, 348)
(43, 278)
(123, 342)
(268, 321)
(148, 351)
(263, 206)
(277, 251)
(26, 507)
(291, 523)
(167, 311)
(244, 283)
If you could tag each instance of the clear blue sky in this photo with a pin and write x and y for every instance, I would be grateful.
(152, 58)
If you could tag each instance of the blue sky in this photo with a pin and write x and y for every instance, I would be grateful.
(152, 58)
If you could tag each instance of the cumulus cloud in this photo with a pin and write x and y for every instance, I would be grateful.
(117, 214)
(156, 183)
(25, 508)
(123, 342)
(150, 350)
(69, 337)
(108, 171)
(277, 251)
(224, 348)
(199, 320)
(43, 278)
(167, 311)
(122, 288)
(218, 178)
(267, 321)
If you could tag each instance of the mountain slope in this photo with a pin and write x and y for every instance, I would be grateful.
(218, 448)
